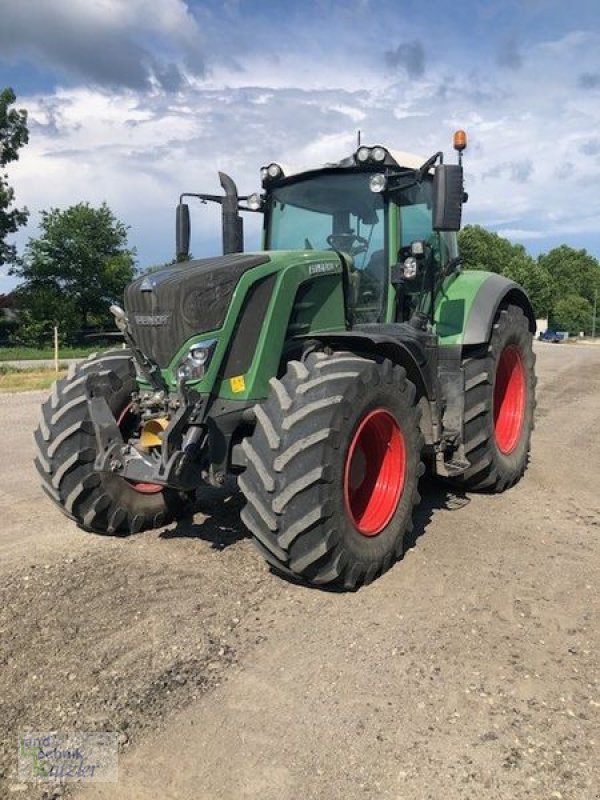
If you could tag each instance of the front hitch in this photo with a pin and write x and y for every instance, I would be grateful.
(178, 466)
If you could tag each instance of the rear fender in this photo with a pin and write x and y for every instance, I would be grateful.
(495, 292)
(469, 302)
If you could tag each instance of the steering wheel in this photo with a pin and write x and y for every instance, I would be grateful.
(348, 242)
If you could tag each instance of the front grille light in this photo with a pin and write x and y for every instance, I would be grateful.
(194, 364)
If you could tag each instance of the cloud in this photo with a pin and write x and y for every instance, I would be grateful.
(138, 148)
(508, 55)
(169, 77)
(106, 43)
(518, 171)
(564, 170)
(408, 55)
(591, 147)
(589, 80)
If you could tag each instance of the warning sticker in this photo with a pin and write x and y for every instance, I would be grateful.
(238, 384)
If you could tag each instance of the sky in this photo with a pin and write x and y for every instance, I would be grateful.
(134, 101)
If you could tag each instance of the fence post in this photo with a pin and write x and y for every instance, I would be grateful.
(56, 348)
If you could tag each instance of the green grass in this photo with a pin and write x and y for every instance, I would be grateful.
(32, 353)
(25, 380)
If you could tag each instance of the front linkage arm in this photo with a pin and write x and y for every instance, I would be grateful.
(177, 466)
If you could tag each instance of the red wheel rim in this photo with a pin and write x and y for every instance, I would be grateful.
(124, 421)
(374, 472)
(509, 399)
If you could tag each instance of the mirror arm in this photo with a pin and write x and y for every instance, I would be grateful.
(424, 169)
(213, 198)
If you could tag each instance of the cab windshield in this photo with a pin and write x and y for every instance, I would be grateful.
(336, 212)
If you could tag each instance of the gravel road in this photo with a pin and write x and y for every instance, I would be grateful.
(470, 670)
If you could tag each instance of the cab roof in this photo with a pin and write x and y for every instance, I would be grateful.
(394, 158)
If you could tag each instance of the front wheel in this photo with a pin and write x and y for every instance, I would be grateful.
(499, 405)
(333, 468)
(66, 451)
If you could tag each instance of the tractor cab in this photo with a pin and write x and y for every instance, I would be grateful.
(378, 213)
(391, 216)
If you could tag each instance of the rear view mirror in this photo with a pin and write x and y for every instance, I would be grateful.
(182, 230)
(447, 197)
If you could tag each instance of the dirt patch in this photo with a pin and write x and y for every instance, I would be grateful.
(113, 639)
(469, 670)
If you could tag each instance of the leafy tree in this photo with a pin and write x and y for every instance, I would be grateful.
(13, 135)
(572, 272)
(535, 279)
(482, 249)
(71, 274)
(572, 313)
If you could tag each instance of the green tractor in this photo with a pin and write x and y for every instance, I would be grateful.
(325, 373)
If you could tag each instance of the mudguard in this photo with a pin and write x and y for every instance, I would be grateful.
(467, 306)
(407, 352)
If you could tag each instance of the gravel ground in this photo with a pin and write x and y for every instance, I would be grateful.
(469, 670)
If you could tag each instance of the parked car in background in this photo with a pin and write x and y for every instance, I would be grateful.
(551, 336)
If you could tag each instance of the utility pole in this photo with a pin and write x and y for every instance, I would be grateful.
(594, 315)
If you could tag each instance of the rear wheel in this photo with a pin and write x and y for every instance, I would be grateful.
(333, 468)
(499, 405)
(66, 445)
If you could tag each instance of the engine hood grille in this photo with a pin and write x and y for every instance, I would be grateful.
(167, 307)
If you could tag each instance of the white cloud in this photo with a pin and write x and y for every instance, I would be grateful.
(106, 42)
(138, 150)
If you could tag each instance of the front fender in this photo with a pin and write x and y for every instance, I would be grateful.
(468, 303)
(409, 354)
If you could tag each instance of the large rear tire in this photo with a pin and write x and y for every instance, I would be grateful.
(499, 405)
(66, 445)
(333, 468)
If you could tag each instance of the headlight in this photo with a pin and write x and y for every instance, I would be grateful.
(193, 366)
(274, 170)
(363, 154)
(254, 202)
(378, 154)
(377, 183)
(410, 268)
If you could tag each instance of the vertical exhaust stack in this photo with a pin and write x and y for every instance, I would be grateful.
(233, 224)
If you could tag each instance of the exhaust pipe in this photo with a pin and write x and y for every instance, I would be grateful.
(232, 223)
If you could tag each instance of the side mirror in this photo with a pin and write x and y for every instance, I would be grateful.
(182, 231)
(447, 197)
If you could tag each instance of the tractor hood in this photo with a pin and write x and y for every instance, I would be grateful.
(168, 307)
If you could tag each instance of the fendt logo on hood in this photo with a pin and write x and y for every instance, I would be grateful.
(152, 320)
(324, 268)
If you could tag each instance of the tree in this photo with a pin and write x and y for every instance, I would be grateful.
(535, 279)
(572, 313)
(482, 249)
(572, 272)
(73, 271)
(13, 135)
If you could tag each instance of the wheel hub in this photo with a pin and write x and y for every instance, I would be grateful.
(509, 399)
(374, 472)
